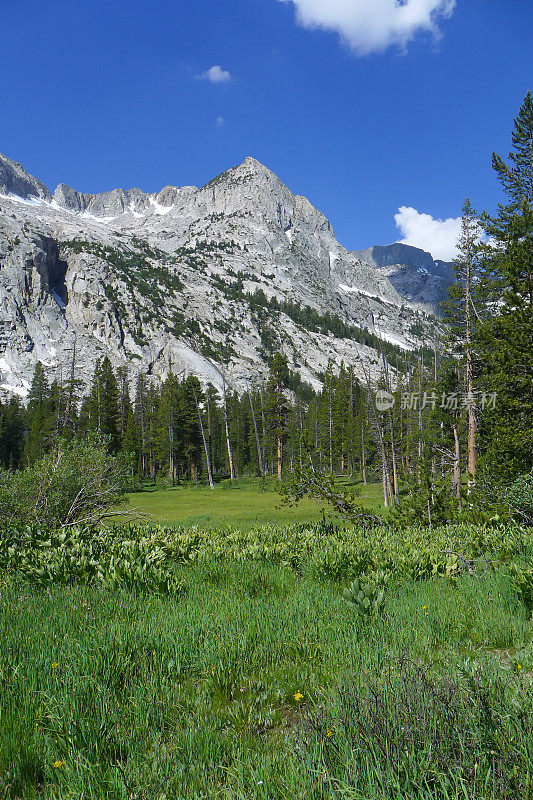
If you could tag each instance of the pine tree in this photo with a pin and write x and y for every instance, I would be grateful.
(516, 177)
(125, 408)
(213, 429)
(152, 430)
(38, 416)
(465, 308)
(256, 434)
(11, 434)
(445, 428)
(505, 340)
(277, 408)
(168, 433)
(141, 419)
(102, 405)
(189, 428)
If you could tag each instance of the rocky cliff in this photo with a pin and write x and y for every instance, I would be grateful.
(414, 273)
(201, 279)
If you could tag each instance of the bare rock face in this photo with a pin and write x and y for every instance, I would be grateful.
(169, 196)
(16, 181)
(195, 278)
(413, 272)
(69, 198)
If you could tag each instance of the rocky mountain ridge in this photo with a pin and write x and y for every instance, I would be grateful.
(413, 272)
(203, 280)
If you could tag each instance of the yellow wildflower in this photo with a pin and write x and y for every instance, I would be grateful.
(519, 666)
(424, 608)
(55, 665)
(329, 733)
(298, 696)
(58, 764)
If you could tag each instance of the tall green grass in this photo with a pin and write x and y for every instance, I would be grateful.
(241, 504)
(140, 696)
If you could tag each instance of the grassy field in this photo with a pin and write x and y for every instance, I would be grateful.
(241, 504)
(258, 680)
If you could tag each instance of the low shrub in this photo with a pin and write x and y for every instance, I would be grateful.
(522, 581)
(367, 596)
(77, 482)
(349, 552)
(520, 497)
(88, 556)
(131, 552)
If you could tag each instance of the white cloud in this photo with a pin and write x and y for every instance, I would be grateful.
(220, 122)
(216, 75)
(438, 236)
(371, 26)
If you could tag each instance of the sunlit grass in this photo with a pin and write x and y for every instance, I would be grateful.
(241, 504)
(216, 693)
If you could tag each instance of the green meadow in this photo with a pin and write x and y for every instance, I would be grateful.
(241, 504)
(256, 677)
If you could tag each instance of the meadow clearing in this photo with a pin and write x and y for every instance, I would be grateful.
(254, 674)
(239, 504)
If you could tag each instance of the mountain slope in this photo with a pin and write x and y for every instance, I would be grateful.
(16, 181)
(194, 278)
(414, 273)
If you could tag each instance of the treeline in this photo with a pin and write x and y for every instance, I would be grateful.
(411, 428)
(182, 431)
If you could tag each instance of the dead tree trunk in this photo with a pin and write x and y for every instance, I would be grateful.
(363, 448)
(70, 395)
(379, 437)
(256, 434)
(206, 450)
(226, 428)
(391, 430)
(456, 474)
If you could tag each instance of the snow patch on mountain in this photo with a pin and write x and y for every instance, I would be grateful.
(186, 276)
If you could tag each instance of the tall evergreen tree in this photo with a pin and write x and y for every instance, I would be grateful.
(102, 405)
(505, 340)
(277, 408)
(125, 408)
(11, 433)
(190, 433)
(516, 176)
(38, 416)
(465, 308)
(141, 420)
(169, 434)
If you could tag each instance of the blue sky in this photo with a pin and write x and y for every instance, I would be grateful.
(355, 104)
